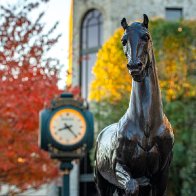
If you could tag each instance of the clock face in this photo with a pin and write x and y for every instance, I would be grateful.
(67, 126)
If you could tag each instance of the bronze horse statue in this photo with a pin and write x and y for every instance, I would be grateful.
(133, 156)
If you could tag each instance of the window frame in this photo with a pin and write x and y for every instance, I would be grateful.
(88, 50)
(180, 9)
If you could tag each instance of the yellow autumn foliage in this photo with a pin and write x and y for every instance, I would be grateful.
(111, 78)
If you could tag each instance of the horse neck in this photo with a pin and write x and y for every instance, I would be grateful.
(145, 107)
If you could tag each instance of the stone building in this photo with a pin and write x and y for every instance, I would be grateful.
(94, 21)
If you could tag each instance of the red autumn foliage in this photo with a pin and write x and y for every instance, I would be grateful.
(28, 81)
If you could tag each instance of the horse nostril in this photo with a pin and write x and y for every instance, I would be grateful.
(139, 64)
(133, 66)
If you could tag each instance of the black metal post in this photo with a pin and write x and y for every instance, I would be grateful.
(65, 167)
(65, 187)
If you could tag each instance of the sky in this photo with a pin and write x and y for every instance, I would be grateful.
(55, 10)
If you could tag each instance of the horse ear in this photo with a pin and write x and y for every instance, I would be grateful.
(124, 23)
(145, 21)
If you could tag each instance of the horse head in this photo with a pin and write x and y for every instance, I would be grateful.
(137, 47)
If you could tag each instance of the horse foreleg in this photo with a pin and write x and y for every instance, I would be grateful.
(160, 188)
(128, 184)
(103, 186)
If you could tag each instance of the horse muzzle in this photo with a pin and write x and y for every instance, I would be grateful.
(135, 70)
(137, 73)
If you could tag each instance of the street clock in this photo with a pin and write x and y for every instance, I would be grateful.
(67, 125)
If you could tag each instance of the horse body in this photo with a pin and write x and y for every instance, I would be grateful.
(144, 158)
(133, 155)
(144, 150)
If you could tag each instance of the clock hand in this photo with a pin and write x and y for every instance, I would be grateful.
(62, 128)
(69, 128)
(66, 127)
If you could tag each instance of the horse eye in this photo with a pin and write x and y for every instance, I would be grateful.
(145, 37)
(124, 39)
(124, 42)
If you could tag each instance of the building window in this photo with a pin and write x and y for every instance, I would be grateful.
(90, 42)
(173, 14)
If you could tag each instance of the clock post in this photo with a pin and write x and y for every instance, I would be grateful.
(66, 132)
(65, 167)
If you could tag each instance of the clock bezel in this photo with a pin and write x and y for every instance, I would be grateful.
(67, 147)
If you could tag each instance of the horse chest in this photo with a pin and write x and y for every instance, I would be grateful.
(141, 155)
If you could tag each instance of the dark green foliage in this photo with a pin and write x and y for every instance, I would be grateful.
(161, 29)
(188, 173)
(182, 117)
(106, 113)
